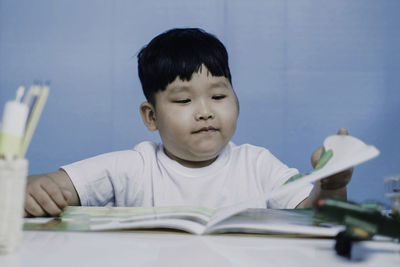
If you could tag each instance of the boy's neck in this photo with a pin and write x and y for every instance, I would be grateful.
(188, 163)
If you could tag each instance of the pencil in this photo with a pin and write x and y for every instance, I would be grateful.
(33, 119)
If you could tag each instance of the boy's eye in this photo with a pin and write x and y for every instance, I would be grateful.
(218, 97)
(182, 101)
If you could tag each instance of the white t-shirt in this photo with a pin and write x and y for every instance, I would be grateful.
(146, 176)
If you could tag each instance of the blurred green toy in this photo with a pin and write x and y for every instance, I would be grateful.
(362, 222)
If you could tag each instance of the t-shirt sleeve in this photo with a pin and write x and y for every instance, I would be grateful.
(99, 179)
(275, 174)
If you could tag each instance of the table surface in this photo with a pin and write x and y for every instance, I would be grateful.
(50, 248)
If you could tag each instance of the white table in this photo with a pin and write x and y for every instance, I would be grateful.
(58, 249)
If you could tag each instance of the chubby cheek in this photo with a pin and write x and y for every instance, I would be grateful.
(229, 118)
(231, 125)
(174, 124)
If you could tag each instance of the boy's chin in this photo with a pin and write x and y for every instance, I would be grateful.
(206, 153)
(208, 149)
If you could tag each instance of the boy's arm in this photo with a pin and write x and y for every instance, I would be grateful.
(331, 187)
(49, 194)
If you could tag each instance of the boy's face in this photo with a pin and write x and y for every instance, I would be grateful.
(196, 118)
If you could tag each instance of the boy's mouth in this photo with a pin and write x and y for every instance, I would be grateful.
(205, 129)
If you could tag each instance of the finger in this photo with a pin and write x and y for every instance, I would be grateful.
(46, 202)
(316, 155)
(338, 180)
(67, 194)
(339, 177)
(27, 214)
(343, 131)
(32, 207)
(54, 192)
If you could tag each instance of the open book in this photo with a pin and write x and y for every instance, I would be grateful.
(344, 152)
(195, 220)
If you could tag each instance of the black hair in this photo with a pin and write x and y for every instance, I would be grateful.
(180, 53)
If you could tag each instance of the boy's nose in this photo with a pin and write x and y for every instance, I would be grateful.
(204, 110)
(204, 115)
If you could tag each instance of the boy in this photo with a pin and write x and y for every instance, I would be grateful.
(187, 83)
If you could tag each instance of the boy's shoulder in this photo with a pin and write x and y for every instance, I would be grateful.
(253, 157)
(146, 145)
(147, 148)
(248, 149)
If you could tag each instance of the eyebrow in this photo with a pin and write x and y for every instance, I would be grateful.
(177, 89)
(218, 84)
(183, 88)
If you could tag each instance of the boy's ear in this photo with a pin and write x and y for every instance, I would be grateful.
(148, 113)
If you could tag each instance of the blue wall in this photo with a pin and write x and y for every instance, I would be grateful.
(301, 70)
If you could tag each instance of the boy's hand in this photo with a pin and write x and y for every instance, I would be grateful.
(333, 186)
(45, 197)
(338, 180)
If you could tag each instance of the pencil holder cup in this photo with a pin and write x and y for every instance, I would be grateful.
(13, 175)
(392, 191)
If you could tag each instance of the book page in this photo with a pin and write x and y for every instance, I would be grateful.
(186, 218)
(278, 222)
(226, 212)
(200, 214)
(348, 152)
